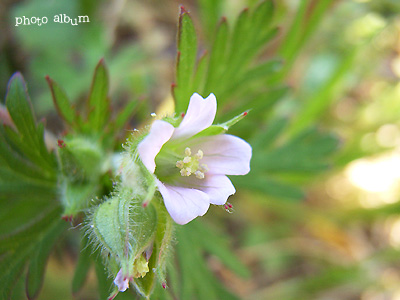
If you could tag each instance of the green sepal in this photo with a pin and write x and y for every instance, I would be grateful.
(161, 252)
(174, 121)
(221, 128)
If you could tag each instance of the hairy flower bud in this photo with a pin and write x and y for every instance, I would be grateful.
(82, 162)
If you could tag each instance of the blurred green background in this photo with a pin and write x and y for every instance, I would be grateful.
(309, 226)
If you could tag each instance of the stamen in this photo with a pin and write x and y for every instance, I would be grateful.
(203, 168)
(190, 164)
(199, 174)
(186, 172)
(179, 164)
(199, 154)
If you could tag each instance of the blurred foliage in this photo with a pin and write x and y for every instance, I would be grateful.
(321, 81)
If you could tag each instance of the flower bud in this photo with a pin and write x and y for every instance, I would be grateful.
(81, 163)
(125, 230)
(81, 159)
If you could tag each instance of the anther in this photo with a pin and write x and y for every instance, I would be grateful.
(179, 164)
(199, 154)
(186, 172)
(190, 164)
(188, 152)
(199, 174)
(203, 168)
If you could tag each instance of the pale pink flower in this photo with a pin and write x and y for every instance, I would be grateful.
(191, 167)
(121, 281)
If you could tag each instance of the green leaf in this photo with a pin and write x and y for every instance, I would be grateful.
(62, 103)
(104, 282)
(200, 75)
(38, 260)
(266, 137)
(269, 186)
(262, 19)
(239, 43)
(16, 248)
(215, 243)
(218, 58)
(11, 272)
(29, 141)
(98, 101)
(290, 41)
(124, 116)
(197, 280)
(20, 108)
(324, 96)
(210, 11)
(186, 60)
(82, 266)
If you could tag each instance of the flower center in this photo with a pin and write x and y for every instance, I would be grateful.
(191, 165)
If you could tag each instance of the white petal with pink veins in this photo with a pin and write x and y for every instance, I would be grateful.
(159, 134)
(184, 204)
(200, 115)
(217, 187)
(121, 282)
(224, 154)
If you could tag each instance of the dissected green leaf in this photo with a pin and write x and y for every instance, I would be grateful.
(218, 58)
(30, 138)
(269, 186)
(99, 103)
(215, 243)
(322, 98)
(195, 274)
(210, 11)
(38, 260)
(186, 60)
(20, 109)
(104, 283)
(62, 103)
(82, 266)
(17, 247)
(124, 116)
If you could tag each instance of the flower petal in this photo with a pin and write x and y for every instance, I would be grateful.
(200, 115)
(183, 204)
(224, 154)
(121, 282)
(159, 134)
(217, 187)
